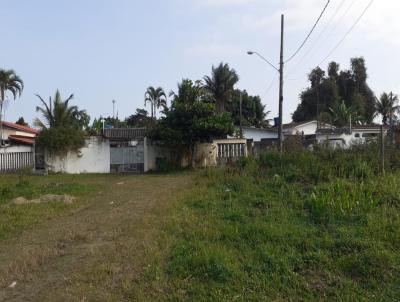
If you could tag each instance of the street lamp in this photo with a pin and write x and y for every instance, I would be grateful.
(250, 52)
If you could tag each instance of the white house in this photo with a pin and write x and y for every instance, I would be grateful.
(303, 128)
(258, 134)
(16, 147)
(346, 137)
(14, 134)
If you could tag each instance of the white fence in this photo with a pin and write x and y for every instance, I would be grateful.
(14, 161)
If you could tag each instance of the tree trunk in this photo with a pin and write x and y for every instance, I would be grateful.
(220, 106)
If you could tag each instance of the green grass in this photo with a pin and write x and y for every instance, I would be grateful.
(14, 219)
(272, 230)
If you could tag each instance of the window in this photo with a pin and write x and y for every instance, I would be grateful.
(357, 135)
(370, 135)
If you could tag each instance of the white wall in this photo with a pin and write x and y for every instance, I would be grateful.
(8, 132)
(307, 129)
(16, 148)
(94, 157)
(258, 134)
(347, 140)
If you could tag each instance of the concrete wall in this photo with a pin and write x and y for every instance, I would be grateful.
(94, 157)
(205, 154)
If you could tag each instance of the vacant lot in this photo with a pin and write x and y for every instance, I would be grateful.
(87, 251)
(309, 226)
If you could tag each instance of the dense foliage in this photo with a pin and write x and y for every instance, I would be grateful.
(63, 127)
(253, 111)
(140, 119)
(190, 120)
(328, 92)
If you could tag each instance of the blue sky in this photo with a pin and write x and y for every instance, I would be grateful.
(103, 50)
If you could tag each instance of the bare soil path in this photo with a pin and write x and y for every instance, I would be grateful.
(94, 252)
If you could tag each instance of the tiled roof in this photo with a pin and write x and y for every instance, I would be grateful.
(21, 128)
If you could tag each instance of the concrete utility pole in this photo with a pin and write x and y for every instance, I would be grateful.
(382, 150)
(280, 70)
(281, 64)
(241, 116)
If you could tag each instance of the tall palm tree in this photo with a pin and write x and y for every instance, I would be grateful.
(58, 113)
(386, 106)
(220, 85)
(157, 99)
(9, 82)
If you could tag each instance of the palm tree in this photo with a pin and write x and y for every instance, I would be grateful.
(343, 115)
(157, 98)
(386, 106)
(220, 85)
(58, 113)
(9, 82)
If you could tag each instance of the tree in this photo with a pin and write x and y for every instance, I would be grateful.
(63, 126)
(157, 99)
(190, 120)
(9, 82)
(220, 85)
(140, 119)
(253, 111)
(22, 122)
(387, 107)
(325, 92)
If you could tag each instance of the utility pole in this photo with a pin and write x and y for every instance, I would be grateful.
(382, 150)
(281, 63)
(318, 107)
(241, 116)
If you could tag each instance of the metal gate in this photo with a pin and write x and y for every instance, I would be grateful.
(127, 159)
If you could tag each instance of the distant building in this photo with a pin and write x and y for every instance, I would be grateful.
(303, 128)
(259, 134)
(346, 137)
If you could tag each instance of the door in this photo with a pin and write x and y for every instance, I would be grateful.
(127, 159)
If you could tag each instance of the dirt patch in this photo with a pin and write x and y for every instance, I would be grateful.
(94, 252)
(67, 199)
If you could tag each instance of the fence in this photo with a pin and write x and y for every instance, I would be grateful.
(230, 150)
(14, 161)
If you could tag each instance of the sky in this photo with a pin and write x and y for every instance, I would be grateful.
(104, 50)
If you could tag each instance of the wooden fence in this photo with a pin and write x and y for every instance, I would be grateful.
(14, 161)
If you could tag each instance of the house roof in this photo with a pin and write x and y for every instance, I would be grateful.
(260, 129)
(20, 128)
(296, 124)
(124, 133)
(368, 127)
(21, 139)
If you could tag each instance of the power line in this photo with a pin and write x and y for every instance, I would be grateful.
(309, 34)
(315, 43)
(348, 32)
(270, 85)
